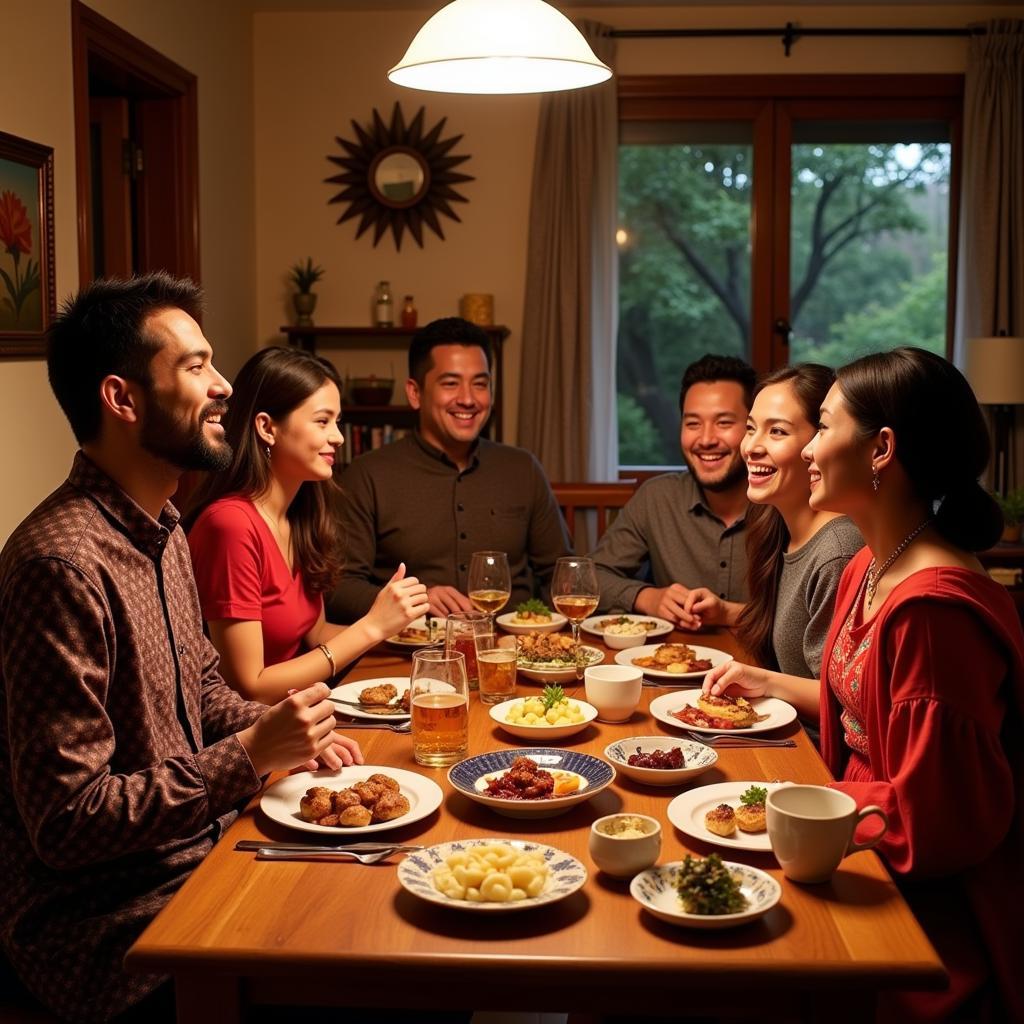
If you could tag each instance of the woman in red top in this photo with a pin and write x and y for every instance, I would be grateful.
(922, 689)
(264, 537)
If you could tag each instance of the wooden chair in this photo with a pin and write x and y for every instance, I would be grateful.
(603, 499)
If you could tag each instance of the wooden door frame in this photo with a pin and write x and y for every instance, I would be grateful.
(92, 35)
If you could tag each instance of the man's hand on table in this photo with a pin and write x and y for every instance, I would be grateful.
(444, 600)
(667, 603)
(297, 731)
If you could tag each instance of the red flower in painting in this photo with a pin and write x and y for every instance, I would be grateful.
(15, 228)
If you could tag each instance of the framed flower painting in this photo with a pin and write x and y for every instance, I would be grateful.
(27, 291)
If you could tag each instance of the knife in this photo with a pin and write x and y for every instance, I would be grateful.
(264, 844)
(392, 709)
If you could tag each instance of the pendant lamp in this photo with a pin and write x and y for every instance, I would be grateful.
(498, 46)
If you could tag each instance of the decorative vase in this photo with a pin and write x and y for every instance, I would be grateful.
(1011, 533)
(305, 303)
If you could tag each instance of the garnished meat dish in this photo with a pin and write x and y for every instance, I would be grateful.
(719, 713)
(675, 658)
(375, 799)
(671, 758)
(526, 780)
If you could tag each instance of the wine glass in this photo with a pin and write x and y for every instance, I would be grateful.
(574, 594)
(490, 582)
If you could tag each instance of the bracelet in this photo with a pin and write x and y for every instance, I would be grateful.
(326, 651)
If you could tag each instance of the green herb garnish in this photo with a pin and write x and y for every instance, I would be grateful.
(552, 695)
(754, 795)
(533, 607)
(705, 886)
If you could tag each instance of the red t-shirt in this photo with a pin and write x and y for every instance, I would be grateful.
(241, 574)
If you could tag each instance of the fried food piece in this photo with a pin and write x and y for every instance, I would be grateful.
(345, 798)
(380, 779)
(385, 693)
(721, 820)
(355, 816)
(369, 792)
(315, 804)
(391, 805)
(751, 817)
(404, 702)
(733, 709)
(329, 821)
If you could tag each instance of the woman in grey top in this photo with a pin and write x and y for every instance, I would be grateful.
(795, 555)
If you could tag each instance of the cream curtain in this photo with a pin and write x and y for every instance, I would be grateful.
(567, 392)
(990, 264)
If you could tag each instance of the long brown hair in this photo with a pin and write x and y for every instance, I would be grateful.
(277, 381)
(767, 536)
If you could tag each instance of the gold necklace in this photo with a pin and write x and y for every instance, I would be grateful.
(874, 575)
(286, 545)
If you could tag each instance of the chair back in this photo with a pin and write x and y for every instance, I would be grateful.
(601, 500)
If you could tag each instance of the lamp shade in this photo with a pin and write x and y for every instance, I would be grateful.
(995, 369)
(498, 46)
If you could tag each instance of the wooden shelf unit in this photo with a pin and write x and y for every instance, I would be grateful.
(394, 338)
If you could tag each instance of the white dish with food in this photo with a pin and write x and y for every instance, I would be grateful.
(417, 873)
(563, 671)
(712, 654)
(540, 732)
(697, 759)
(351, 692)
(777, 713)
(655, 627)
(655, 891)
(511, 624)
(688, 811)
(421, 632)
(280, 802)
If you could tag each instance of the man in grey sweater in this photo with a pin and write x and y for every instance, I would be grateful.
(683, 530)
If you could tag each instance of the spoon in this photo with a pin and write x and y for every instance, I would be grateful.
(371, 857)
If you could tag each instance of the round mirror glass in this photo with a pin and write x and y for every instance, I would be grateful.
(399, 178)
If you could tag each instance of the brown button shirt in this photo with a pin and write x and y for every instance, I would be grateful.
(119, 767)
(407, 502)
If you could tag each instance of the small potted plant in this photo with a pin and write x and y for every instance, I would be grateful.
(304, 276)
(1012, 506)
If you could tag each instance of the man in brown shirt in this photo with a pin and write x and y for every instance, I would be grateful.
(123, 754)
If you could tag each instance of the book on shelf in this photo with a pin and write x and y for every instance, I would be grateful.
(360, 438)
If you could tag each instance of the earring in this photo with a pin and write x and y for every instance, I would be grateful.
(875, 480)
(266, 448)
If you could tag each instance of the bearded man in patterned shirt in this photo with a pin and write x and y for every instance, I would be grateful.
(123, 754)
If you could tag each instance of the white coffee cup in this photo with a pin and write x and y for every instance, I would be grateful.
(614, 690)
(811, 830)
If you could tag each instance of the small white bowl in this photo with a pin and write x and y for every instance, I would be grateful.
(623, 856)
(540, 734)
(698, 759)
(622, 641)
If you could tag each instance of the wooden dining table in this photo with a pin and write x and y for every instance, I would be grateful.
(242, 931)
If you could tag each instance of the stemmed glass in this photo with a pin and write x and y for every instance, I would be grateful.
(574, 594)
(490, 582)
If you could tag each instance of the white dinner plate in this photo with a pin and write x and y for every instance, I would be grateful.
(510, 625)
(712, 654)
(566, 875)
(280, 802)
(351, 691)
(560, 673)
(778, 711)
(421, 623)
(593, 624)
(655, 891)
(687, 812)
(541, 733)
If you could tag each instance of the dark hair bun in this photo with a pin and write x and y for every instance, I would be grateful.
(969, 517)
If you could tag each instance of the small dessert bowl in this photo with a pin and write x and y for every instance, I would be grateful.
(623, 844)
(697, 758)
(624, 635)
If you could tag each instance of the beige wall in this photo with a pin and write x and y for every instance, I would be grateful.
(212, 40)
(317, 71)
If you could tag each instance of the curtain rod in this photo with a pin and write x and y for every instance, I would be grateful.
(788, 35)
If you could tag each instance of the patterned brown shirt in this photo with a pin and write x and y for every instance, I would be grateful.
(119, 767)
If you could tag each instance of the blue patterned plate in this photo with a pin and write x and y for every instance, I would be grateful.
(567, 874)
(697, 759)
(655, 891)
(470, 777)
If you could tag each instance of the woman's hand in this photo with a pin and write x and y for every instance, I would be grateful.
(742, 680)
(401, 601)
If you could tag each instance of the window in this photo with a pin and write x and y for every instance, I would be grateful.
(796, 222)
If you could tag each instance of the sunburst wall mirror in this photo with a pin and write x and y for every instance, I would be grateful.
(398, 176)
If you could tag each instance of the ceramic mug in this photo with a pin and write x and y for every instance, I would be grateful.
(811, 830)
(614, 690)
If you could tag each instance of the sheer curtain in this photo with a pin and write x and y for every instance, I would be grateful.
(567, 411)
(990, 263)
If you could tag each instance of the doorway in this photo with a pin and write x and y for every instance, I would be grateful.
(136, 154)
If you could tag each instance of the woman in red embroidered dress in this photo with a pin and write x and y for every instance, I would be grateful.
(922, 690)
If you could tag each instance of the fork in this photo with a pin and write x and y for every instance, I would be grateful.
(403, 727)
(370, 857)
(710, 740)
(252, 845)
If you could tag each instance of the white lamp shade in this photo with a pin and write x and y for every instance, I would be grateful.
(498, 46)
(995, 369)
